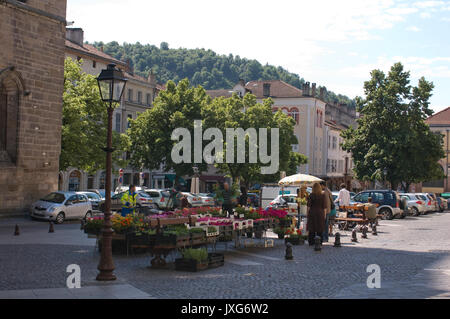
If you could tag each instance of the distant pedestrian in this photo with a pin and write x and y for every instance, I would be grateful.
(316, 214)
(243, 197)
(129, 201)
(184, 203)
(329, 204)
(227, 206)
(371, 214)
(343, 198)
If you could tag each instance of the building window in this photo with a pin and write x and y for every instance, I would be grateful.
(295, 114)
(94, 64)
(130, 95)
(139, 97)
(334, 142)
(149, 99)
(130, 117)
(118, 120)
(74, 181)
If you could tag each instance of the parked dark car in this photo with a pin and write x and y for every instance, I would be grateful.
(388, 202)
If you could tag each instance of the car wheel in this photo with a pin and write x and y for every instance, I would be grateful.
(387, 213)
(88, 215)
(60, 218)
(415, 211)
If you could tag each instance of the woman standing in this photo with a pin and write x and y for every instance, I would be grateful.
(316, 213)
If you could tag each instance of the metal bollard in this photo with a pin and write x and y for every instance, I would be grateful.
(317, 244)
(337, 240)
(16, 230)
(364, 232)
(289, 255)
(374, 230)
(354, 236)
(51, 229)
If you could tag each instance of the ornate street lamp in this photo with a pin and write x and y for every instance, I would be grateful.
(111, 83)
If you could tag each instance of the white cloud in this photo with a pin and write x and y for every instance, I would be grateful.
(413, 29)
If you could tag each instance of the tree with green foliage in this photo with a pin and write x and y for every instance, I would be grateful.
(84, 118)
(392, 136)
(204, 67)
(151, 133)
(246, 113)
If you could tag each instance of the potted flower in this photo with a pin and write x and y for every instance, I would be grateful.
(192, 260)
(294, 236)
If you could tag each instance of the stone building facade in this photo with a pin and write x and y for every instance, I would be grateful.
(32, 35)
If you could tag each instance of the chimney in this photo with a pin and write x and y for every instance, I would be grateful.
(266, 89)
(130, 66)
(306, 91)
(313, 90)
(75, 35)
(321, 93)
(151, 77)
(242, 82)
(101, 48)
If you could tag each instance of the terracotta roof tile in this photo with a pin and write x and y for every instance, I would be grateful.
(92, 51)
(441, 117)
(278, 88)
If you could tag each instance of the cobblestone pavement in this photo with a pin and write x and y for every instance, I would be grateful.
(413, 254)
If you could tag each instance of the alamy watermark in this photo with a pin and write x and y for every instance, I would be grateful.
(74, 279)
(374, 279)
(214, 153)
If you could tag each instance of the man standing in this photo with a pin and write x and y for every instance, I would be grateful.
(343, 198)
(227, 205)
(129, 201)
(328, 204)
(371, 211)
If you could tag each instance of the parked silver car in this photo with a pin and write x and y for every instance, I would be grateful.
(59, 206)
(416, 204)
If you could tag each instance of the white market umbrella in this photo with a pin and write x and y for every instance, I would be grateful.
(298, 180)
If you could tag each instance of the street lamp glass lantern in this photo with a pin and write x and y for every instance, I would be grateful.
(111, 83)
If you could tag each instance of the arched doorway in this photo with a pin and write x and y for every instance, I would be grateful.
(74, 180)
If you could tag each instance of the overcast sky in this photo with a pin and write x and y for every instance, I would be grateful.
(333, 43)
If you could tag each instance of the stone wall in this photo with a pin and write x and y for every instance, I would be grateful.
(32, 68)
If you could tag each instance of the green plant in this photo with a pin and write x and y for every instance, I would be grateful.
(196, 230)
(279, 230)
(198, 254)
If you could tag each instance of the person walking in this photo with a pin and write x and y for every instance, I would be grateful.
(328, 206)
(184, 203)
(343, 198)
(316, 214)
(129, 201)
(371, 214)
(227, 205)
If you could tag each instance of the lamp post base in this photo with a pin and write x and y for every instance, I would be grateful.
(106, 276)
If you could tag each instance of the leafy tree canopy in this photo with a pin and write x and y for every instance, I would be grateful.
(392, 136)
(83, 127)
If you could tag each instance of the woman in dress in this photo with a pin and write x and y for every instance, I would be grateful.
(316, 213)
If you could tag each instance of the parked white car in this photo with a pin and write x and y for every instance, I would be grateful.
(61, 206)
(416, 204)
(159, 198)
(428, 202)
(207, 200)
(193, 200)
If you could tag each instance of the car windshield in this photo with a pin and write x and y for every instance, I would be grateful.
(103, 192)
(144, 194)
(92, 196)
(165, 194)
(54, 198)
